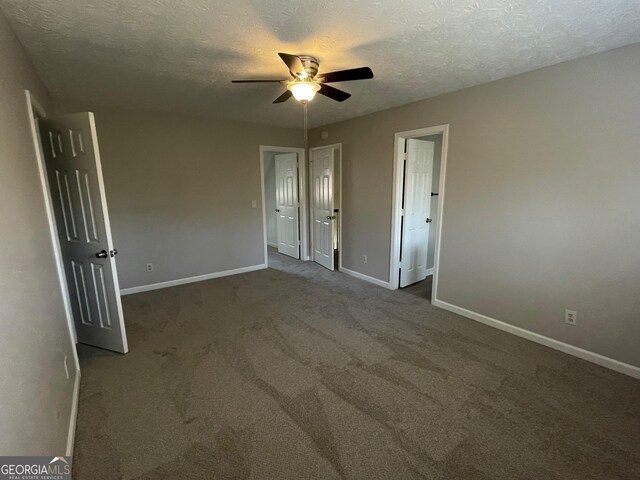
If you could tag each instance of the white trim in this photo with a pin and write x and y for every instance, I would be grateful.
(429, 271)
(264, 207)
(337, 146)
(34, 107)
(587, 355)
(197, 278)
(271, 244)
(341, 212)
(71, 435)
(440, 199)
(302, 198)
(397, 200)
(366, 278)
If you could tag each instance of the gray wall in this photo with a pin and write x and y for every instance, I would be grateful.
(35, 394)
(179, 190)
(542, 195)
(270, 196)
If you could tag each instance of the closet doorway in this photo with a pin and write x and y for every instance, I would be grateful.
(284, 204)
(326, 198)
(419, 171)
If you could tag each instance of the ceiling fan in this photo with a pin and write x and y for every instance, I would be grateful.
(306, 82)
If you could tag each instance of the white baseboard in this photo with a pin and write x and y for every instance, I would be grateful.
(429, 272)
(198, 278)
(366, 278)
(271, 244)
(587, 355)
(71, 435)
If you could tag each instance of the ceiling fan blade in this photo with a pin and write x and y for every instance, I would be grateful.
(362, 73)
(333, 93)
(293, 63)
(284, 97)
(259, 81)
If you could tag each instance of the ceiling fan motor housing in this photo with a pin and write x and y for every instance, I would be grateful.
(310, 64)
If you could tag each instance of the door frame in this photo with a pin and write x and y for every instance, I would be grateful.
(303, 215)
(398, 181)
(337, 146)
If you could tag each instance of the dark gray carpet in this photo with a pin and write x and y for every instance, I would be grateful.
(421, 289)
(295, 372)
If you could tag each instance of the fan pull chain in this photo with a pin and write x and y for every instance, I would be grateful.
(306, 124)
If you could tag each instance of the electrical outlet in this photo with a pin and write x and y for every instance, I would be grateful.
(149, 267)
(254, 203)
(364, 259)
(66, 367)
(570, 317)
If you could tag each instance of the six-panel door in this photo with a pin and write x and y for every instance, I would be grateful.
(286, 166)
(417, 208)
(70, 148)
(322, 206)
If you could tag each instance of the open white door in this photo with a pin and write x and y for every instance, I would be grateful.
(418, 178)
(70, 148)
(286, 166)
(322, 206)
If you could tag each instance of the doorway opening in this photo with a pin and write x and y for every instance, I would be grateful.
(326, 202)
(284, 201)
(418, 195)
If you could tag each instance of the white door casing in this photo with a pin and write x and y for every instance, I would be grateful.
(287, 206)
(418, 180)
(322, 206)
(72, 158)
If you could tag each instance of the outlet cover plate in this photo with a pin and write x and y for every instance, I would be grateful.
(570, 317)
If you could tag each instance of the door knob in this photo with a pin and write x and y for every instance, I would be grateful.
(113, 252)
(277, 210)
(331, 217)
(102, 254)
(429, 220)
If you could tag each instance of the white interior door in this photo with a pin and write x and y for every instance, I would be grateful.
(418, 178)
(322, 206)
(286, 166)
(70, 148)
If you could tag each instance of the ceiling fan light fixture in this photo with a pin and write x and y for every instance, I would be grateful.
(305, 83)
(304, 91)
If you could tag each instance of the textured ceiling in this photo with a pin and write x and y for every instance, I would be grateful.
(180, 55)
